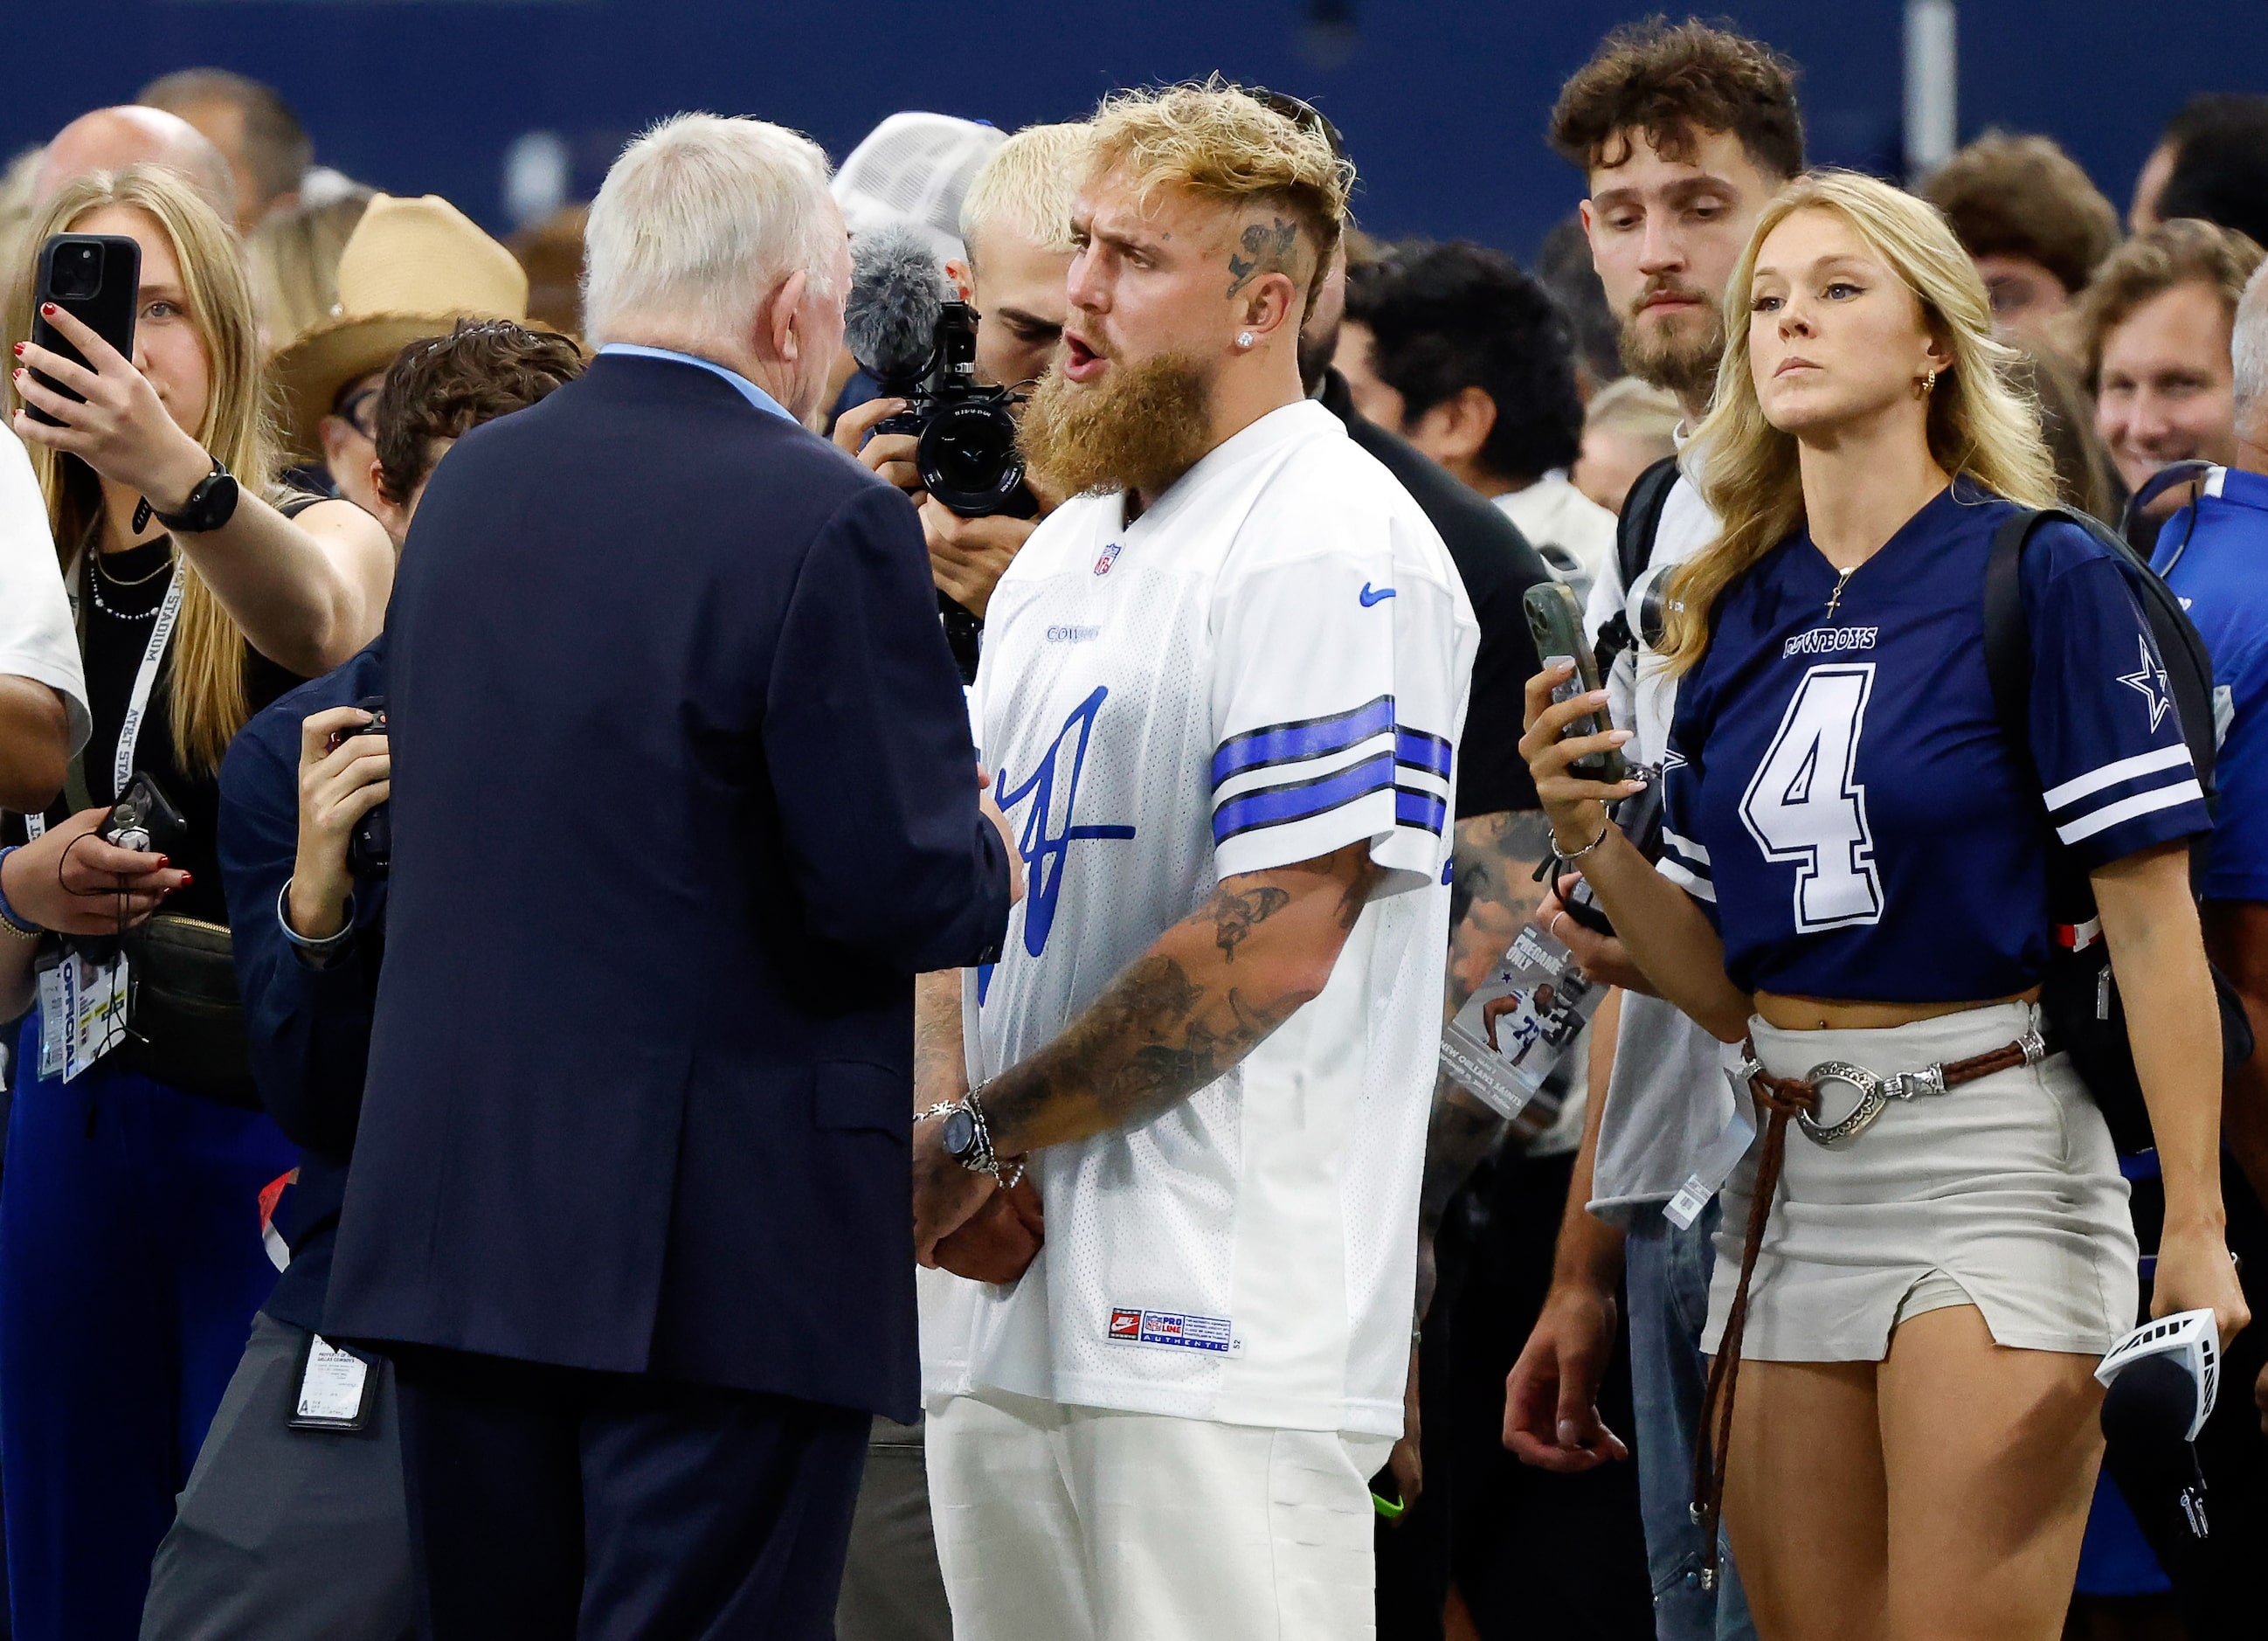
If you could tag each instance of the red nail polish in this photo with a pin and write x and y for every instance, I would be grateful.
(19, 349)
(47, 309)
(187, 880)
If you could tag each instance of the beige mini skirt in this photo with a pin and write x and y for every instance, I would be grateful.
(2004, 1193)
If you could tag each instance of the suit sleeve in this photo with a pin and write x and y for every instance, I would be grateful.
(866, 737)
(309, 1028)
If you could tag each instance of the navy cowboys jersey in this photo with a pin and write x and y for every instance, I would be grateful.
(1839, 795)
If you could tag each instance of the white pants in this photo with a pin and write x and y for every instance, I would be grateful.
(1080, 1524)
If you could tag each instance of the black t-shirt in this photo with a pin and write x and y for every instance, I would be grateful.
(1498, 566)
(117, 613)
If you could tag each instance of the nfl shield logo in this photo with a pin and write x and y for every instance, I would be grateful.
(1109, 557)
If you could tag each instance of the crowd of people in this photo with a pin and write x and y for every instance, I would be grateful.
(883, 1074)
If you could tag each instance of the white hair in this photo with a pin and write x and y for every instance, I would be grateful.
(699, 221)
(2248, 343)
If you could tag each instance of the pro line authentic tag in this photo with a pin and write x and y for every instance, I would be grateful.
(335, 1387)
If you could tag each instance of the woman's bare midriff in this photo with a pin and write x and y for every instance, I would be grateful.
(1835, 1014)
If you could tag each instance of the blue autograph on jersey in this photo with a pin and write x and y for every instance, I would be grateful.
(1366, 597)
(1054, 795)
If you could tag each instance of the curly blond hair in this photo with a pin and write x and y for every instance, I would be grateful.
(1979, 424)
(1220, 141)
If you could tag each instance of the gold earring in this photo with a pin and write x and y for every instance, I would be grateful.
(1926, 385)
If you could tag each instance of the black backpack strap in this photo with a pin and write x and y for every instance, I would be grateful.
(1635, 528)
(1640, 520)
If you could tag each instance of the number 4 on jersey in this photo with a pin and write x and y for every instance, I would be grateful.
(1805, 803)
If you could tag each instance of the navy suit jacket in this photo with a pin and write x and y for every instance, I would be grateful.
(683, 798)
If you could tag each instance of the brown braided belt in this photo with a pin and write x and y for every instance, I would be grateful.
(1786, 1097)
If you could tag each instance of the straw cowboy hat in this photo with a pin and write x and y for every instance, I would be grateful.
(411, 269)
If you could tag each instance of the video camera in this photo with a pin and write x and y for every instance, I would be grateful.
(904, 326)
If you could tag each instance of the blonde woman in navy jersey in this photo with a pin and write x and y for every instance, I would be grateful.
(1856, 871)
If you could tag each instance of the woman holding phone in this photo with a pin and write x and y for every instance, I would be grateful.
(1856, 876)
(131, 1258)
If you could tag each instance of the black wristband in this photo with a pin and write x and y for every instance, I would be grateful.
(210, 505)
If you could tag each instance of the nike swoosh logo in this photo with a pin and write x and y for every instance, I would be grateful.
(1369, 598)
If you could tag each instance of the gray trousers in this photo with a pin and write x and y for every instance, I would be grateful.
(892, 1590)
(283, 1534)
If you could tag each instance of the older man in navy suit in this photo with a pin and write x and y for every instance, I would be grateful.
(683, 799)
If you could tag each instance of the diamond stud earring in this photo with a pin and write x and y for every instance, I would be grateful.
(1244, 339)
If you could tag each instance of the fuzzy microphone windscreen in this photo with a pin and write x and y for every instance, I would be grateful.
(897, 290)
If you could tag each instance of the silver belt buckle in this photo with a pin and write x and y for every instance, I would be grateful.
(1873, 1098)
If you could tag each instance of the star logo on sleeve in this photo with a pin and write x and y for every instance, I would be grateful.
(2150, 679)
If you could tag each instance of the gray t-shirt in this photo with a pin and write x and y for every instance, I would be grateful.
(1670, 1112)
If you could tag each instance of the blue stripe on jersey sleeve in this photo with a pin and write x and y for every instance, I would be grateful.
(1416, 808)
(1301, 739)
(1420, 751)
(1301, 800)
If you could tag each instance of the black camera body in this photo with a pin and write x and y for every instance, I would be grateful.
(370, 851)
(966, 434)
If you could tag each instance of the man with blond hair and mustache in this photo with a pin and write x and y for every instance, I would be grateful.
(1221, 694)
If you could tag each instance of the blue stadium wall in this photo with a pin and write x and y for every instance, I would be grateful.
(1443, 104)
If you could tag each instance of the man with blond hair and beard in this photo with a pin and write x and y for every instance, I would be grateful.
(1221, 694)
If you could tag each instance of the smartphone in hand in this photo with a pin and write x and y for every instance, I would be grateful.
(1556, 620)
(97, 279)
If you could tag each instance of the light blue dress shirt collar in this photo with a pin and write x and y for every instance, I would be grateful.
(741, 385)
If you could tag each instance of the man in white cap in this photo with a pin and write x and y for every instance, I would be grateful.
(411, 270)
(914, 168)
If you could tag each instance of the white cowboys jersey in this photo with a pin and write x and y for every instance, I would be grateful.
(1269, 665)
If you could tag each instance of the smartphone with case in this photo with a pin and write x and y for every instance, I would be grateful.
(145, 820)
(1556, 620)
(97, 279)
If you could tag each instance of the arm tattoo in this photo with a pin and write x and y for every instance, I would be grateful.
(1234, 915)
(1187, 1010)
(1268, 249)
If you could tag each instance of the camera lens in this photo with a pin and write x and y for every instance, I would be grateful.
(77, 271)
(967, 457)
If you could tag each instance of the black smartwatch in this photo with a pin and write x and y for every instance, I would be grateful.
(210, 505)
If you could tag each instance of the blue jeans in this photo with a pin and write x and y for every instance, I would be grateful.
(1666, 1277)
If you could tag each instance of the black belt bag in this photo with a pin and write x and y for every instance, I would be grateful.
(186, 1027)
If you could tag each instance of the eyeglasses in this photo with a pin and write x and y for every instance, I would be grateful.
(359, 411)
